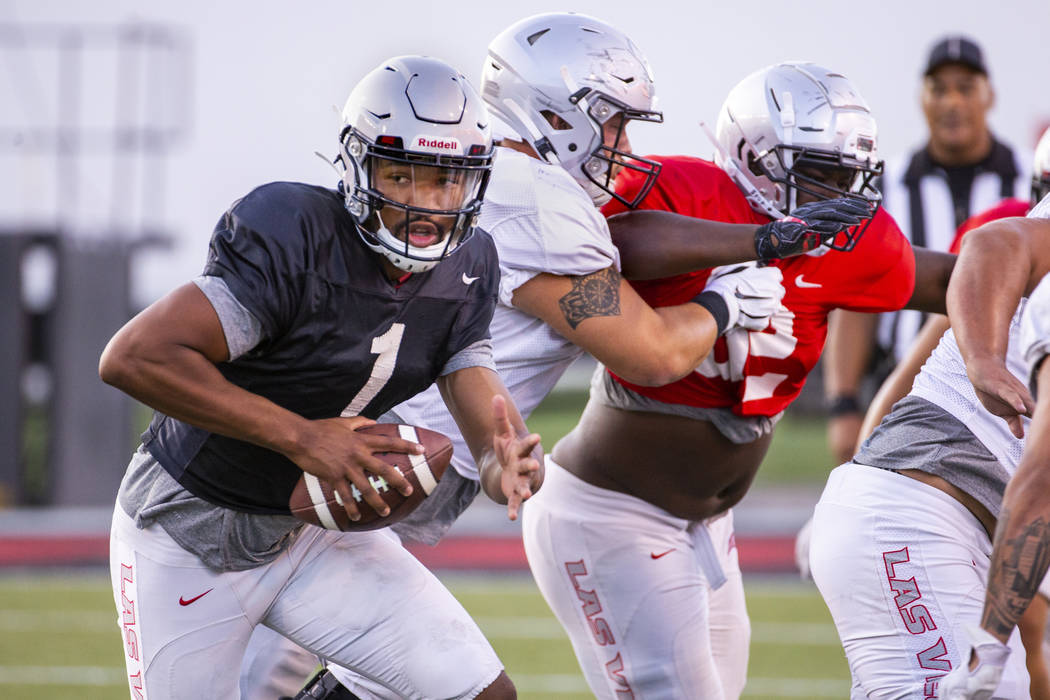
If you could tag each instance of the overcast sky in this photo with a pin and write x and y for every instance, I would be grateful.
(263, 78)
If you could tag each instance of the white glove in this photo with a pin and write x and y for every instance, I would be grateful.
(752, 294)
(979, 684)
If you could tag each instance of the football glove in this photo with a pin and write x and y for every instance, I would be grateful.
(752, 294)
(980, 683)
(809, 226)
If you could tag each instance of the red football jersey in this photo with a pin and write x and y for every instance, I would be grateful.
(758, 373)
(1002, 210)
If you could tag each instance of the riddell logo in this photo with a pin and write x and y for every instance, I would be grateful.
(426, 143)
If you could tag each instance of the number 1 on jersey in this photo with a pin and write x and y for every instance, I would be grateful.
(386, 346)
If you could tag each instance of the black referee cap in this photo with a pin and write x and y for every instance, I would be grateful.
(956, 49)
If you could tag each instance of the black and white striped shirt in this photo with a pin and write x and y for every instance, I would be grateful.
(929, 202)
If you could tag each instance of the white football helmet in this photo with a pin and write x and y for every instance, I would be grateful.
(556, 79)
(793, 117)
(416, 153)
(1041, 168)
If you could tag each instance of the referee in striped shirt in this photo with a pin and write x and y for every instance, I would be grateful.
(962, 169)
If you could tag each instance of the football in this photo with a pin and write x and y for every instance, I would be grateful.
(315, 502)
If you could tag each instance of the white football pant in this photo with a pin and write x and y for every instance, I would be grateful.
(902, 567)
(630, 585)
(359, 599)
(274, 666)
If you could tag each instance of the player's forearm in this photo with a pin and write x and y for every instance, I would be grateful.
(847, 353)
(990, 276)
(1021, 554)
(664, 345)
(490, 475)
(468, 395)
(656, 244)
(182, 383)
(933, 270)
(601, 313)
(688, 338)
(1020, 559)
(653, 347)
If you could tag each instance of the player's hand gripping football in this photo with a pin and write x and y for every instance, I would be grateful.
(1000, 392)
(980, 683)
(752, 293)
(333, 452)
(809, 226)
(519, 459)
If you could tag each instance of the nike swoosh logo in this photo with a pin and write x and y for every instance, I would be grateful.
(799, 282)
(654, 555)
(469, 280)
(183, 601)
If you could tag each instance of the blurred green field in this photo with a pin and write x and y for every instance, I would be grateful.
(60, 640)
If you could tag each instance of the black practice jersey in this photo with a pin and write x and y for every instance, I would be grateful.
(336, 333)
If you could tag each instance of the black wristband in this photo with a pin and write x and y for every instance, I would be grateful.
(713, 302)
(843, 405)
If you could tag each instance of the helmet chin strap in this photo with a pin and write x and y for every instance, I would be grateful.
(382, 233)
(599, 196)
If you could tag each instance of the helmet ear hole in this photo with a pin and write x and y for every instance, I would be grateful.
(556, 122)
(754, 165)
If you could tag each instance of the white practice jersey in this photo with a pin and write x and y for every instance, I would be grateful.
(1035, 330)
(541, 221)
(1035, 326)
(943, 379)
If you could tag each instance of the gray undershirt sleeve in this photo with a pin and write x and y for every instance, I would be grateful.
(243, 331)
(477, 354)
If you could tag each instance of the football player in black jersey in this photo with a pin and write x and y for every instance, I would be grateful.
(318, 310)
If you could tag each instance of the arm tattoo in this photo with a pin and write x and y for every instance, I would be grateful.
(596, 294)
(1018, 566)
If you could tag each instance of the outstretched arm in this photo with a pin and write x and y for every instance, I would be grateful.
(166, 357)
(999, 263)
(656, 243)
(933, 270)
(1021, 554)
(604, 315)
(509, 458)
(1020, 558)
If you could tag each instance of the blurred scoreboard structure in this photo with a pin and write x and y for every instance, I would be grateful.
(94, 112)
